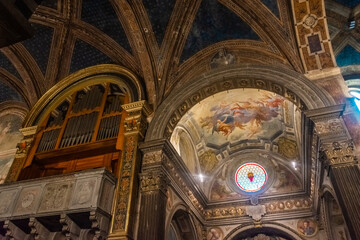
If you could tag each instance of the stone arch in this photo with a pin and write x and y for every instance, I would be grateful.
(293, 85)
(88, 76)
(179, 219)
(329, 204)
(184, 145)
(266, 227)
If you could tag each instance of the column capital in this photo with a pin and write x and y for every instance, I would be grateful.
(153, 181)
(339, 153)
(329, 124)
(135, 120)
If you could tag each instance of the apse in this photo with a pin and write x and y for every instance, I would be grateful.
(242, 144)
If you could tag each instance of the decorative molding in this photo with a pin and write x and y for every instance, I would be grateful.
(329, 124)
(256, 212)
(339, 153)
(291, 85)
(69, 228)
(153, 181)
(310, 23)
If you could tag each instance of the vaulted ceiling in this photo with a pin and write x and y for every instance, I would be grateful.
(168, 42)
(164, 42)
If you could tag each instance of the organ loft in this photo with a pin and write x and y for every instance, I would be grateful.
(179, 120)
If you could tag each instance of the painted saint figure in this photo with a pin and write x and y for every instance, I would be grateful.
(306, 229)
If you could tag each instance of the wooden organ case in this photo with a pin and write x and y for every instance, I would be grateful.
(85, 131)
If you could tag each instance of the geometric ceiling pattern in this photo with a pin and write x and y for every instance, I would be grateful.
(157, 40)
(348, 3)
(165, 43)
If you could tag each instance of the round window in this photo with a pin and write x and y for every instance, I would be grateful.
(250, 177)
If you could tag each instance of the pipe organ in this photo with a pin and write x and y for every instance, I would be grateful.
(80, 133)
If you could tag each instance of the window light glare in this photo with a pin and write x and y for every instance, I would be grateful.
(355, 94)
(357, 102)
(201, 177)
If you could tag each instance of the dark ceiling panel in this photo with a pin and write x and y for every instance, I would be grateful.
(85, 55)
(159, 12)
(272, 5)
(8, 93)
(348, 3)
(102, 15)
(5, 63)
(49, 3)
(348, 56)
(39, 45)
(214, 23)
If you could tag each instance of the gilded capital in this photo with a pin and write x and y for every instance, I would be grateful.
(339, 153)
(153, 181)
(135, 120)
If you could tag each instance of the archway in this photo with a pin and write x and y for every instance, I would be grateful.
(292, 85)
(265, 232)
(181, 227)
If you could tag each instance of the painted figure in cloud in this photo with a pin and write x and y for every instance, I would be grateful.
(248, 115)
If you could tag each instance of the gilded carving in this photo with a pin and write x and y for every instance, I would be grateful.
(291, 204)
(152, 182)
(208, 161)
(338, 153)
(288, 148)
(124, 184)
(152, 157)
(310, 21)
(310, 18)
(225, 212)
(22, 149)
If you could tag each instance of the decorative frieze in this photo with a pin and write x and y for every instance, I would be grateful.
(67, 193)
(216, 213)
(288, 205)
(329, 124)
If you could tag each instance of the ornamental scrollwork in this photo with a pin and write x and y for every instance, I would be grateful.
(338, 153)
(153, 182)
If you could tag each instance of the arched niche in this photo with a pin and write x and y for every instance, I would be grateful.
(282, 178)
(290, 84)
(238, 126)
(80, 122)
(89, 76)
(184, 145)
(334, 220)
(273, 231)
(181, 226)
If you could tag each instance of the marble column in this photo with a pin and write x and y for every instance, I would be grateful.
(153, 187)
(345, 176)
(122, 225)
(338, 156)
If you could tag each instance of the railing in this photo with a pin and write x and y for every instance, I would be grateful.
(76, 206)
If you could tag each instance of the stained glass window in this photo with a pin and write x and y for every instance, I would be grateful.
(250, 177)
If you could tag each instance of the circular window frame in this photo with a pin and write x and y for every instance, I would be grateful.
(242, 188)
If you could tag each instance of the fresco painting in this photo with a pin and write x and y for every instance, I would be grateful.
(9, 137)
(307, 227)
(220, 189)
(239, 114)
(285, 181)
